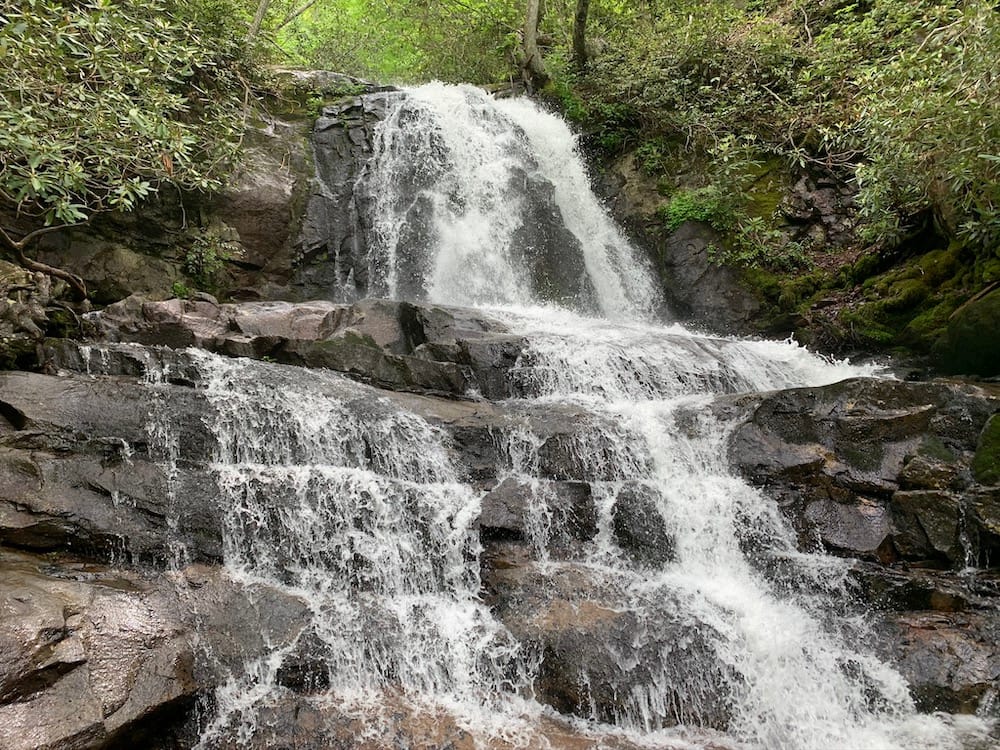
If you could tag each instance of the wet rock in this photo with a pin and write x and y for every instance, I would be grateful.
(928, 521)
(900, 589)
(596, 651)
(949, 659)
(397, 345)
(550, 252)
(331, 246)
(638, 526)
(875, 468)
(93, 659)
(708, 294)
(392, 721)
(305, 669)
(930, 472)
(560, 512)
(97, 503)
(77, 471)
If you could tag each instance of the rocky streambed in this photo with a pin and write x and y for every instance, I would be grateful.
(120, 621)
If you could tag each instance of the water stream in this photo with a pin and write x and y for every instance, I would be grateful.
(358, 506)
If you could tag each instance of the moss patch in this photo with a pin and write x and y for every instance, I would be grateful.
(933, 447)
(866, 457)
(971, 346)
(358, 339)
(986, 463)
(18, 354)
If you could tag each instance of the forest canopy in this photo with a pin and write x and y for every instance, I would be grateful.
(103, 101)
(903, 94)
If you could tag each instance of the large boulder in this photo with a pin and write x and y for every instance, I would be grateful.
(598, 655)
(84, 663)
(396, 345)
(710, 295)
(949, 659)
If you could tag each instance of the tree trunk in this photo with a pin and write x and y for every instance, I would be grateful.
(258, 20)
(533, 68)
(580, 34)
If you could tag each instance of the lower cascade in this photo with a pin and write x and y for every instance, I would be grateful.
(559, 553)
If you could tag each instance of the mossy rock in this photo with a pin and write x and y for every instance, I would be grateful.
(18, 354)
(971, 345)
(986, 463)
(927, 327)
(933, 447)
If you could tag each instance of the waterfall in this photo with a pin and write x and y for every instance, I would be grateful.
(482, 202)
(355, 504)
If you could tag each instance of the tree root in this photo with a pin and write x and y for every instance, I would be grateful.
(17, 248)
(72, 279)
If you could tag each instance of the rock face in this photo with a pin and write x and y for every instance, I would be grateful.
(964, 349)
(23, 314)
(821, 208)
(394, 345)
(878, 469)
(595, 650)
(884, 471)
(710, 296)
(333, 257)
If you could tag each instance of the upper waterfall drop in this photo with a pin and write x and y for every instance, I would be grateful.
(482, 202)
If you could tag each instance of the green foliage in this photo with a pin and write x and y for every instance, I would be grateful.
(180, 290)
(931, 125)
(207, 256)
(694, 68)
(102, 101)
(710, 205)
(754, 243)
(903, 95)
(757, 244)
(402, 41)
(986, 463)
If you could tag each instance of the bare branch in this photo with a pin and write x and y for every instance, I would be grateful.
(17, 246)
(296, 13)
(70, 278)
(32, 236)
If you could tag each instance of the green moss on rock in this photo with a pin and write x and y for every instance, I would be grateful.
(933, 447)
(970, 345)
(18, 354)
(986, 463)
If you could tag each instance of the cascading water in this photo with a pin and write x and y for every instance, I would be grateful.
(481, 202)
(354, 505)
